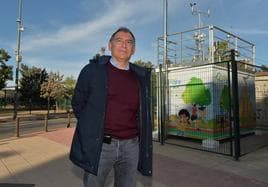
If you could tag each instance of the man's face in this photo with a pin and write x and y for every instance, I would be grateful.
(122, 47)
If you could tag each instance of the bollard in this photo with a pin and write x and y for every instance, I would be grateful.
(17, 127)
(69, 119)
(46, 122)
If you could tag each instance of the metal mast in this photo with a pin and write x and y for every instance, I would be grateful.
(18, 60)
(199, 37)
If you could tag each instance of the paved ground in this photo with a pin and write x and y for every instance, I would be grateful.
(42, 159)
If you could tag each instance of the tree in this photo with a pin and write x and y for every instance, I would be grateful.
(99, 54)
(264, 68)
(96, 57)
(69, 84)
(53, 88)
(153, 97)
(30, 85)
(220, 48)
(147, 64)
(5, 70)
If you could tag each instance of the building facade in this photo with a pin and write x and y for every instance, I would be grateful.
(261, 87)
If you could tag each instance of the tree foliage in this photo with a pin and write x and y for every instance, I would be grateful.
(53, 88)
(196, 93)
(220, 48)
(30, 85)
(69, 84)
(264, 68)
(96, 57)
(5, 70)
(147, 64)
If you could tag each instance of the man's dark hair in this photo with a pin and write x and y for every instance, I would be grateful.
(123, 29)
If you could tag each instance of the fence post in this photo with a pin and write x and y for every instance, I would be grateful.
(17, 127)
(161, 109)
(235, 104)
(46, 122)
(230, 109)
(69, 119)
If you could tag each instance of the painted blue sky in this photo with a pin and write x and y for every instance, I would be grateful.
(61, 35)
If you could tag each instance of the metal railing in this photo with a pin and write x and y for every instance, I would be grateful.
(38, 117)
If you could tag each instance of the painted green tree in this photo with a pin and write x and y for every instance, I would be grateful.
(196, 93)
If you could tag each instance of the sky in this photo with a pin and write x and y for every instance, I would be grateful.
(62, 35)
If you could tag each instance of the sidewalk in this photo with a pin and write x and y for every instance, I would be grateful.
(42, 159)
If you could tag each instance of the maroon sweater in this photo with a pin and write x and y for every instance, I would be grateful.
(122, 103)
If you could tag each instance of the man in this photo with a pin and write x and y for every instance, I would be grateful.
(112, 106)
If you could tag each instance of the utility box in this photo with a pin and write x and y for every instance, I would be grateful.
(200, 103)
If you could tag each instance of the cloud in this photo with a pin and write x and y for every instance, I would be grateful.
(114, 12)
(71, 43)
(73, 34)
(125, 12)
(68, 48)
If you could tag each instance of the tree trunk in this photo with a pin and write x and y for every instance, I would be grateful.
(57, 106)
(48, 104)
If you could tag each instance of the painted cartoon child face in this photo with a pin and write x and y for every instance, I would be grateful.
(183, 118)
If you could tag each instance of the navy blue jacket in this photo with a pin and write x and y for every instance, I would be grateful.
(89, 105)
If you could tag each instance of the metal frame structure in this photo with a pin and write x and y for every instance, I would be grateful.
(186, 48)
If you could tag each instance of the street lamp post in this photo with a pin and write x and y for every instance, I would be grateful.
(165, 93)
(18, 60)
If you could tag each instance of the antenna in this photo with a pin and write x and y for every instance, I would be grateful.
(196, 11)
(199, 36)
(193, 5)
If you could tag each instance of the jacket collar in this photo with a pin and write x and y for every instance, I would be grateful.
(104, 59)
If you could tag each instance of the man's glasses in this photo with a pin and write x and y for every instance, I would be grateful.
(120, 42)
